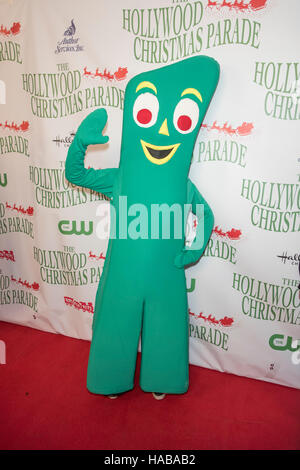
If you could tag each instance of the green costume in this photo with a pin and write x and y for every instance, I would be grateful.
(143, 287)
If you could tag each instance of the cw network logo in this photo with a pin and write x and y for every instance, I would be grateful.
(2, 352)
(69, 227)
(280, 342)
(160, 221)
(296, 357)
(4, 182)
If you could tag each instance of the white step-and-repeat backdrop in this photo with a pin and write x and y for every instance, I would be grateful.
(62, 59)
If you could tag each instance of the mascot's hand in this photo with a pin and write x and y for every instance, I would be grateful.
(90, 130)
(186, 257)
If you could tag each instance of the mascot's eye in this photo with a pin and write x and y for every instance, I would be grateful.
(186, 116)
(145, 110)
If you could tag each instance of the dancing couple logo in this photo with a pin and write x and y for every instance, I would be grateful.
(69, 43)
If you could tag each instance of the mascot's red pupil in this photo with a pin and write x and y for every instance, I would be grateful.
(184, 123)
(144, 116)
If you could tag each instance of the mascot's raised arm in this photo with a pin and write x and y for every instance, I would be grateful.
(143, 287)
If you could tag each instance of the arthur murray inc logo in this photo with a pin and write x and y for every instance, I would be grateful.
(69, 43)
(134, 221)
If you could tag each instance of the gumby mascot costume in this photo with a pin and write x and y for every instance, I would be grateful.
(142, 289)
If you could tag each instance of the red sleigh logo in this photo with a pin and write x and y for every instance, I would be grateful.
(86, 307)
(24, 126)
(9, 255)
(232, 234)
(242, 130)
(237, 5)
(101, 256)
(13, 30)
(119, 75)
(34, 285)
(28, 211)
(225, 321)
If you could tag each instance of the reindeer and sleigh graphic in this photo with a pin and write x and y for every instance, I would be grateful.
(237, 5)
(12, 31)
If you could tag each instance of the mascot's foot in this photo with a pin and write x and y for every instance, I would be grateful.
(158, 396)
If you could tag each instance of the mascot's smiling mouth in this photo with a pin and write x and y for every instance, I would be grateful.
(159, 154)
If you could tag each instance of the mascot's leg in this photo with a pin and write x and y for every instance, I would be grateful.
(116, 331)
(165, 342)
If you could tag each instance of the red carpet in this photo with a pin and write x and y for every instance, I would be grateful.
(44, 404)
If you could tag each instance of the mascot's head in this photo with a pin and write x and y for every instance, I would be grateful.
(163, 111)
